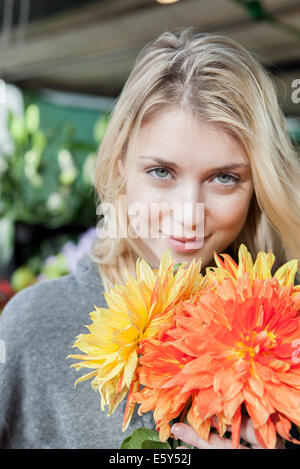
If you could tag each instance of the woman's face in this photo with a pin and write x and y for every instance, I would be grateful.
(197, 177)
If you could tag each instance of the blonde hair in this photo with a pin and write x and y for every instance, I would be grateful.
(218, 80)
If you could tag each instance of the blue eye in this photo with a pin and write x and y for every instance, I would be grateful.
(161, 172)
(227, 179)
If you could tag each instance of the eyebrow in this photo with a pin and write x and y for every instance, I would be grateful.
(171, 163)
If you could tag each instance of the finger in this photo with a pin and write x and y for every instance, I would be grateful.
(247, 431)
(188, 435)
(248, 434)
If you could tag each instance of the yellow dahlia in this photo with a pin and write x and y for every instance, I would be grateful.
(136, 311)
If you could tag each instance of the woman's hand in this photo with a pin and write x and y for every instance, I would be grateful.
(187, 434)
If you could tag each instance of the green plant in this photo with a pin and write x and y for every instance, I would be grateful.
(48, 177)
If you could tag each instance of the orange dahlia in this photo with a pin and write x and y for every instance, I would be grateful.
(232, 347)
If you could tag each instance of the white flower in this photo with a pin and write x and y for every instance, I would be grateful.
(54, 201)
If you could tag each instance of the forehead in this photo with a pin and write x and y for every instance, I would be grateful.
(177, 136)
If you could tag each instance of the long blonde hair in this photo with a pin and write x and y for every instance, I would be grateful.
(219, 81)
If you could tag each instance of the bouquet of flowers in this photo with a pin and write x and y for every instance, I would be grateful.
(201, 348)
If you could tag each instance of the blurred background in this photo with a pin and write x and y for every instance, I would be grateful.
(62, 67)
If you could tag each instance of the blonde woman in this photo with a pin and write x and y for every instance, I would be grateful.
(197, 127)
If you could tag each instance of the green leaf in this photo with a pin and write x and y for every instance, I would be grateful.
(175, 443)
(32, 118)
(88, 169)
(151, 444)
(82, 146)
(255, 9)
(7, 237)
(126, 443)
(68, 176)
(39, 141)
(35, 265)
(38, 188)
(18, 130)
(56, 268)
(22, 278)
(143, 438)
(140, 435)
(32, 158)
(100, 128)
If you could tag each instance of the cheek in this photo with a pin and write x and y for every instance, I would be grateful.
(227, 211)
(136, 192)
(139, 201)
(150, 203)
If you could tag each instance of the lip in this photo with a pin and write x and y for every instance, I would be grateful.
(186, 245)
(183, 239)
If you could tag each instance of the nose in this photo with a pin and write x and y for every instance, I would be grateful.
(188, 211)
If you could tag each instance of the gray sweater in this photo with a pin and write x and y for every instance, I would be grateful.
(39, 407)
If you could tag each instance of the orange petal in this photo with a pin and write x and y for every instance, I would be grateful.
(236, 428)
(227, 384)
(285, 400)
(208, 403)
(194, 419)
(258, 412)
(282, 424)
(266, 435)
(164, 431)
(130, 405)
(230, 407)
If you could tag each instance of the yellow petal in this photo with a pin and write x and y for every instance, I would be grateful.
(85, 377)
(125, 351)
(130, 368)
(245, 261)
(93, 364)
(165, 262)
(144, 272)
(115, 300)
(125, 336)
(109, 396)
(93, 346)
(286, 273)
(110, 370)
(130, 406)
(137, 307)
(262, 268)
(114, 317)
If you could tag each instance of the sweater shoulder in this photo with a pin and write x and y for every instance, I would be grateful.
(49, 305)
(41, 296)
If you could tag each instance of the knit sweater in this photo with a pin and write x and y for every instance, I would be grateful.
(39, 407)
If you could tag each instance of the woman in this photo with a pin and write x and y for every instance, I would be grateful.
(198, 127)
(198, 121)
